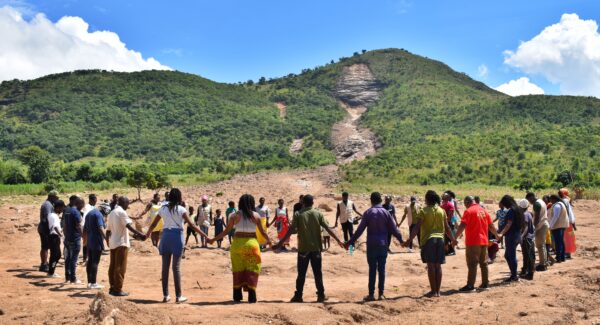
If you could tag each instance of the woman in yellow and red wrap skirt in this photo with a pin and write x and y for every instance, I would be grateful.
(245, 249)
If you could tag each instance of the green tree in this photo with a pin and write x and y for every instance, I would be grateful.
(142, 177)
(38, 161)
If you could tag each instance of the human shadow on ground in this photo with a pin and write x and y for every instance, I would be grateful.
(145, 301)
(26, 273)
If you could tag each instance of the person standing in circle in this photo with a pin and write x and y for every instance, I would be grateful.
(344, 213)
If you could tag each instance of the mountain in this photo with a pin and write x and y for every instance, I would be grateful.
(410, 120)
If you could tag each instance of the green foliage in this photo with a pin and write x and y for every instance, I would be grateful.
(142, 176)
(13, 172)
(38, 161)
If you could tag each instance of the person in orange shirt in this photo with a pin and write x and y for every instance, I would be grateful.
(476, 222)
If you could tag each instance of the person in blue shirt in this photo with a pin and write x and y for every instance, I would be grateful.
(94, 230)
(72, 231)
(379, 223)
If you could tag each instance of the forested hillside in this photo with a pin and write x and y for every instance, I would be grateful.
(435, 126)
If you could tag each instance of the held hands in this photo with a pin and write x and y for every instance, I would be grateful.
(210, 241)
(343, 245)
(405, 244)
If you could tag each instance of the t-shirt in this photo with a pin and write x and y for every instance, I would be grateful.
(434, 223)
(94, 222)
(72, 220)
(86, 209)
(228, 212)
(528, 219)
(45, 211)
(448, 206)
(53, 222)
(515, 228)
(391, 209)
(501, 216)
(117, 225)
(379, 224)
(172, 219)
(477, 221)
(263, 211)
(308, 222)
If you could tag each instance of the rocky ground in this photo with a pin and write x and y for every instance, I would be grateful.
(568, 293)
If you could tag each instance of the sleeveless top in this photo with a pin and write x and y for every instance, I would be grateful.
(281, 212)
(346, 211)
(245, 224)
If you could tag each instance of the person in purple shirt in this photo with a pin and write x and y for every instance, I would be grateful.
(379, 223)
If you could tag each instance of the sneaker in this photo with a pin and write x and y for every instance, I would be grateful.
(77, 281)
(54, 276)
(467, 288)
(296, 298)
(410, 250)
(89, 285)
(95, 286)
(119, 294)
(381, 297)
(44, 267)
(484, 287)
(181, 299)
(369, 298)
(321, 298)
(166, 299)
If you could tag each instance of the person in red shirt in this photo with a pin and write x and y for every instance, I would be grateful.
(476, 222)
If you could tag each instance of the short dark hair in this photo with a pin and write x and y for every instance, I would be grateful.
(218, 210)
(345, 194)
(308, 200)
(92, 196)
(432, 198)
(59, 204)
(231, 204)
(375, 198)
(530, 195)
(477, 199)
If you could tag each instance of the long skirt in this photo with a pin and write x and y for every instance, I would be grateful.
(261, 239)
(282, 224)
(570, 244)
(245, 262)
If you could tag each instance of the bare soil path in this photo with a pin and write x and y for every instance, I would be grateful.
(568, 293)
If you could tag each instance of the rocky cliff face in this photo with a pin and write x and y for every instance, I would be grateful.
(358, 86)
(356, 90)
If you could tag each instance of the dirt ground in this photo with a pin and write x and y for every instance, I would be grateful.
(568, 293)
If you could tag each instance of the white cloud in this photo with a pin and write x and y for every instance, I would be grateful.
(482, 71)
(34, 48)
(521, 86)
(566, 53)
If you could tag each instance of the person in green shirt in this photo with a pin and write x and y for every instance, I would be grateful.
(432, 223)
(230, 210)
(307, 223)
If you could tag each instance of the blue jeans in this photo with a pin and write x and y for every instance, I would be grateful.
(72, 249)
(376, 257)
(558, 235)
(511, 242)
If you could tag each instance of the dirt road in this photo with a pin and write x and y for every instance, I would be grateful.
(568, 293)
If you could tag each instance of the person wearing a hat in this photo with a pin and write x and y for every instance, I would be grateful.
(410, 213)
(44, 230)
(527, 242)
(476, 222)
(204, 215)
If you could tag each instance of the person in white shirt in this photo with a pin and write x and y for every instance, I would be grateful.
(118, 241)
(410, 214)
(204, 216)
(559, 221)
(344, 214)
(171, 244)
(54, 239)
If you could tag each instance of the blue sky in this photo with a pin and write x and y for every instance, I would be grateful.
(231, 41)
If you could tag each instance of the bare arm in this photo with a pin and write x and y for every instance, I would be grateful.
(187, 219)
(332, 234)
(460, 230)
(493, 229)
(153, 225)
(402, 220)
(230, 225)
(413, 233)
(337, 215)
(356, 211)
(137, 233)
(148, 207)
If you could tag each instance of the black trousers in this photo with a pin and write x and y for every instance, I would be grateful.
(314, 258)
(348, 230)
(91, 267)
(54, 243)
